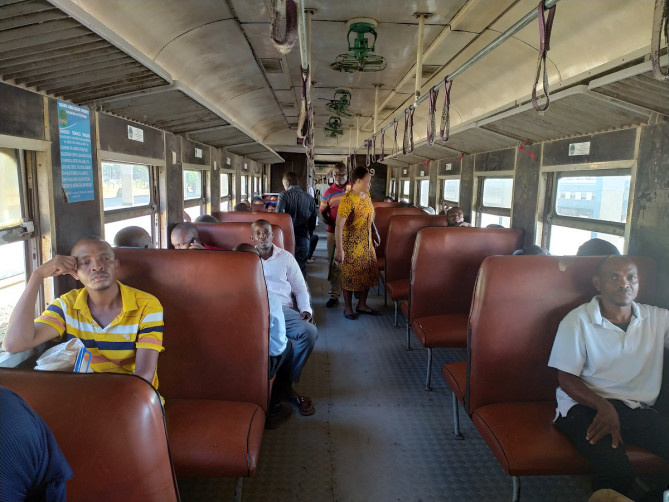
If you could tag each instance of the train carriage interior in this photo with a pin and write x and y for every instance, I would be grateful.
(548, 120)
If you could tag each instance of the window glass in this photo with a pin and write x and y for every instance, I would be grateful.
(192, 184)
(193, 212)
(424, 192)
(405, 188)
(245, 186)
(12, 280)
(566, 241)
(497, 192)
(593, 197)
(451, 191)
(225, 185)
(493, 219)
(225, 206)
(111, 229)
(10, 190)
(125, 185)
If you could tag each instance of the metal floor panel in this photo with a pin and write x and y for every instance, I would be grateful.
(377, 435)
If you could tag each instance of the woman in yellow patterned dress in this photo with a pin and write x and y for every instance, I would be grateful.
(356, 238)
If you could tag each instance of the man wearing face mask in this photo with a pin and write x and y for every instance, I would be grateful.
(120, 325)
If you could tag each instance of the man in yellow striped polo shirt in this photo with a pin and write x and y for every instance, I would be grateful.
(120, 325)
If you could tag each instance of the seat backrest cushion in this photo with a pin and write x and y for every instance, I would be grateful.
(401, 239)
(281, 219)
(381, 203)
(228, 235)
(382, 217)
(110, 428)
(445, 264)
(517, 306)
(216, 316)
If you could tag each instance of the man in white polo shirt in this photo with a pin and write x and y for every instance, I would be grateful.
(283, 277)
(609, 356)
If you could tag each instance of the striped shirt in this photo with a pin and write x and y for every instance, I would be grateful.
(114, 347)
(330, 201)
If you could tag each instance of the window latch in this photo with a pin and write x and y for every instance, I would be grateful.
(27, 226)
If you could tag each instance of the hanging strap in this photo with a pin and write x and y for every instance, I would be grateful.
(445, 129)
(302, 123)
(373, 156)
(431, 123)
(660, 24)
(353, 166)
(382, 155)
(283, 30)
(545, 27)
(407, 141)
(395, 145)
(368, 157)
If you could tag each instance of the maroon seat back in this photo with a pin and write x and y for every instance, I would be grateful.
(401, 239)
(382, 203)
(445, 264)
(517, 306)
(382, 217)
(216, 315)
(228, 235)
(281, 219)
(110, 428)
(258, 207)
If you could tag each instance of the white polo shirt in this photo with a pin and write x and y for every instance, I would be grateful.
(613, 363)
(283, 276)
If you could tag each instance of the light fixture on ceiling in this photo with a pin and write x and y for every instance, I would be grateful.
(360, 55)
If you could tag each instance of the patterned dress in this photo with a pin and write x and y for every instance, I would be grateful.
(358, 271)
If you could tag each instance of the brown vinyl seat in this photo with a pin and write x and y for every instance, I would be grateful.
(517, 306)
(227, 235)
(110, 428)
(444, 267)
(281, 219)
(382, 215)
(382, 203)
(213, 373)
(402, 232)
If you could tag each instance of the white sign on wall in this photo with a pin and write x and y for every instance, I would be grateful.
(198, 153)
(136, 134)
(579, 148)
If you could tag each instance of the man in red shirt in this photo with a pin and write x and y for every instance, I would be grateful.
(328, 209)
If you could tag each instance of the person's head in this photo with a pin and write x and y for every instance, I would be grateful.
(242, 206)
(428, 210)
(455, 217)
(388, 199)
(270, 206)
(245, 247)
(494, 225)
(289, 179)
(532, 249)
(133, 237)
(597, 247)
(96, 263)
(361, 179)
(339, 174)
(206, 218)
(617, 280)
(183, 235)
(257, 199)
(262, 235)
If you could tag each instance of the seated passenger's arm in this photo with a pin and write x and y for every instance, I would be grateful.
(606, 420)
(146, 361)
(22, 332)
(299, 288)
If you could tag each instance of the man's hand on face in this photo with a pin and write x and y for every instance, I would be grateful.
(196, 244)
(59, 265)
(606, 422)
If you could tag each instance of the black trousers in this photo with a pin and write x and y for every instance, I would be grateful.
(280, 366)
(611, 467)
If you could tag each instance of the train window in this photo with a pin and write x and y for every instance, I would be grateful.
(226, 195)
(423, 192)
(195, 189)
(406, 188)
(494, 202)
(588, 205)
(451, 191)
(128, 197)
(18, 240)
(192, 185)
(244, 187)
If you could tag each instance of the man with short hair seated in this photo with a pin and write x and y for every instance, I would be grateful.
(283, 277)
(120, 325)
(133, 237)
(609, 356)
(206, 218)
(185, 236)
(456, 218)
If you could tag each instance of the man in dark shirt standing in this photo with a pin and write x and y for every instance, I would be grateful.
(302, 209)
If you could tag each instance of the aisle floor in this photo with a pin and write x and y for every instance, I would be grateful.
(377, 435)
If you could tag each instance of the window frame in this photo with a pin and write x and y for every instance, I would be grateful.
(441, 180)
(418, 191)
(479, 208)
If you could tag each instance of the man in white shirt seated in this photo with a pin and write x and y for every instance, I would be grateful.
(283, 277)
(609, 356)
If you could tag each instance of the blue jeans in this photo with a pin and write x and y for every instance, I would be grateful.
(302, 335)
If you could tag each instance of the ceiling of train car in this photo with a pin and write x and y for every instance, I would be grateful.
(221, 81)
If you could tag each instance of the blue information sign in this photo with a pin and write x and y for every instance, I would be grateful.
(76, 161)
